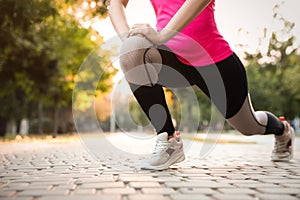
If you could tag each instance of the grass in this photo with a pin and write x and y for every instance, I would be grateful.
(67, 137)
(39, 137)
(219, 140)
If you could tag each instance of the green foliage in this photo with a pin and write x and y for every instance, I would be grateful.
(274, 77)
(138, 114)
(42, 47)
(25, 66)
(90, 9)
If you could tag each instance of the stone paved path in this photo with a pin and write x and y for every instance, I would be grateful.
(66, 170)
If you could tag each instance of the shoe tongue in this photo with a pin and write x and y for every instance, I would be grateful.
(162, 137)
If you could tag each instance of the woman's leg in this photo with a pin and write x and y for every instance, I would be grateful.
(141, 64)
(152, 101)
(249, 122)
(241, 115)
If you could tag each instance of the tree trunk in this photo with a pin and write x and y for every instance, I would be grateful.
(30, 115)
(18, 125)
(40, 118)
(3, 126)
(55, 121)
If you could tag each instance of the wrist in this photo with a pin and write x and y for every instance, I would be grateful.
(165, 35)
(162, 37)
(123, 35)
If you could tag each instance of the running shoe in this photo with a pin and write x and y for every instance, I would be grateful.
(166, 152)
(283, 149)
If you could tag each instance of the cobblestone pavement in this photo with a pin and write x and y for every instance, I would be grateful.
(46, 170)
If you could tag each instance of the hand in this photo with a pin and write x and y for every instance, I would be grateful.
(147, 31)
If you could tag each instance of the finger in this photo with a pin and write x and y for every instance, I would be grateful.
(138, 26)
(141, 26)
(134, 32)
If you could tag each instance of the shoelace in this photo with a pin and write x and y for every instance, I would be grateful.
(160, 146)
(280, 146)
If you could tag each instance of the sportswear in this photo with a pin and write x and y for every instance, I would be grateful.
(200, 42)
(283, 150)
(166, 152)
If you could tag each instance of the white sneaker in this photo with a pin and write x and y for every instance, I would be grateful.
(283, 150)
(166, 152)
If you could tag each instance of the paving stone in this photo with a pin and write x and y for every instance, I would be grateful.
(16, 198)
(230, 181)
(208, 178)
(290, 185)
(197, 191)
(67, 172)
(144, 184)
(190, 197)
(292, 176)
(237, 177)
(147, 197)
(18, 189)
(280, 190)
(276, 197)
(102, 185)
(158, 191)
(11, 185)
(36, 193)
(237, 191)
(233, 197)
(7, 194)
(81, 197)
(84, 191)
(168, 179)
(281, 181)
(66, 187)
(94, 180)
(118, 191)
(256, 185)
(138, 178)
(210, 184)
(163, 173)
(43, 185)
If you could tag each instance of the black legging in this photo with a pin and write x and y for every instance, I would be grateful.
(235, 84)
(233, 103)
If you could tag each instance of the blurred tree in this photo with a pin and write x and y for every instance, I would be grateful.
(87, 9)
(42, 46)
(205, 107)
(25, 67)
(273, 76)
(137, 114)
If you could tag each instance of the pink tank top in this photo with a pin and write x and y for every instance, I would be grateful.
(199, 43)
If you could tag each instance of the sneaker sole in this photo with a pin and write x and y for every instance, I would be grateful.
(290, 157)
(176, 159)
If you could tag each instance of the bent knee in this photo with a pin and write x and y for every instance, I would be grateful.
(248, 132)
(132, 57)
(132, 52)
(133, 44)
(257, 128)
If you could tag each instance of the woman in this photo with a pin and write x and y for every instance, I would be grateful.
(186, 39)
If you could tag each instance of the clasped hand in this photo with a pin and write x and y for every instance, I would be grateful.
(147, 31)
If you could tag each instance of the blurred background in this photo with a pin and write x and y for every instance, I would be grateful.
(44, 42)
